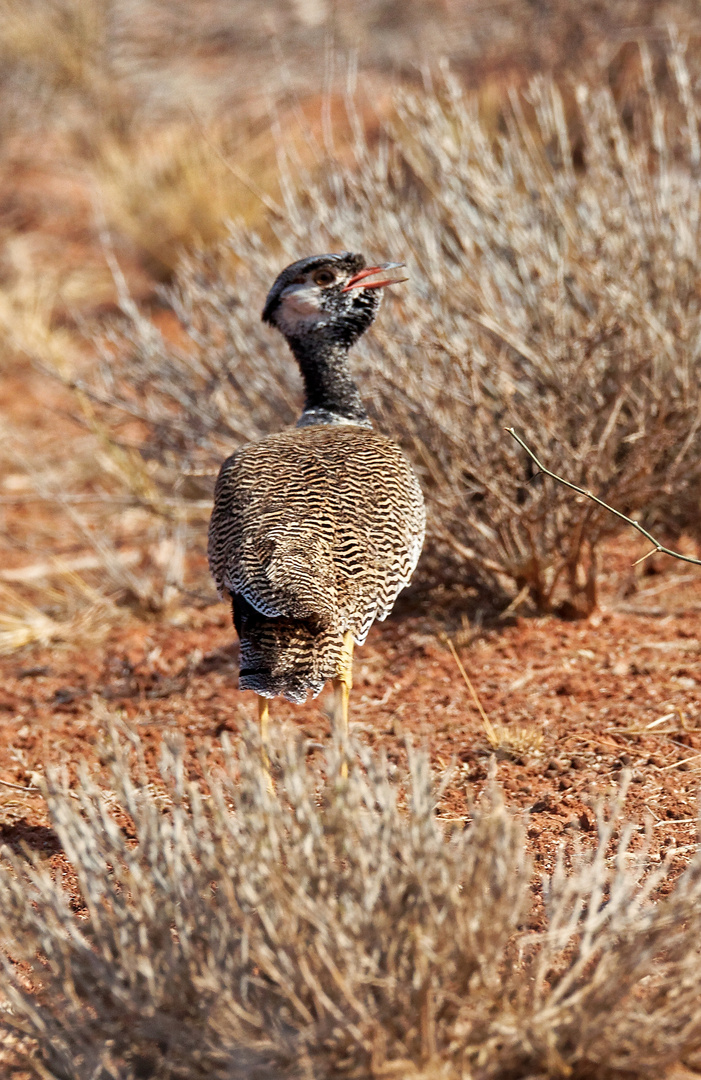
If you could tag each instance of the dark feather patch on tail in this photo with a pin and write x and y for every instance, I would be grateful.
(282, 656)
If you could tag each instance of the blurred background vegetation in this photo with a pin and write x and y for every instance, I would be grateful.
(535, 163)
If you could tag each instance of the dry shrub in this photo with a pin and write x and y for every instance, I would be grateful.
(223, 931)
(554, 287)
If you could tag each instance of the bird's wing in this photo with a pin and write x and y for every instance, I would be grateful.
(281, 563)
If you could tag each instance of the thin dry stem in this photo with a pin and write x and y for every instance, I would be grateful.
(600, 502)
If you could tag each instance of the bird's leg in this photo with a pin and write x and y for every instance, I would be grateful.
(263, 714)
(342, 687)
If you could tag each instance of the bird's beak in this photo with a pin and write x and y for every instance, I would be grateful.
(358, 280)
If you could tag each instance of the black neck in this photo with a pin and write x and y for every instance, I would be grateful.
(328, 383)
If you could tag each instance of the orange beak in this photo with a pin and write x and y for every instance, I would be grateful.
(358, 280)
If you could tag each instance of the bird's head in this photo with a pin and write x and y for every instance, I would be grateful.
(327, 295)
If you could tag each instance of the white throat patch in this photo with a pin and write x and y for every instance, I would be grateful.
(300, 307)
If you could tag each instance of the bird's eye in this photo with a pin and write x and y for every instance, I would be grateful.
(324, 277)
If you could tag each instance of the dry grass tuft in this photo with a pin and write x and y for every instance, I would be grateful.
(71, 611)
(229, 932)
(517, 740)
(181, 187)
(28, 303)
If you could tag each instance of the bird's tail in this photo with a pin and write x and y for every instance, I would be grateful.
(285, 657)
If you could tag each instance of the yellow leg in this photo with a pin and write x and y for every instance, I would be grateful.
(342, 687)
(263, 714)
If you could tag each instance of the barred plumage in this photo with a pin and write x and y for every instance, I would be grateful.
(315, 530)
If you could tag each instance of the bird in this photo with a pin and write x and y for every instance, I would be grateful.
(316, 529)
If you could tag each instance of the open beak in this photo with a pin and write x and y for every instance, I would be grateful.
(358, 281)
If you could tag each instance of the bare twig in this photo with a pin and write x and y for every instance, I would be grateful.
(617, 513)
(28, 790)
(492, 736)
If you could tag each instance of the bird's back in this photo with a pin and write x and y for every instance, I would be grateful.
(315, 531)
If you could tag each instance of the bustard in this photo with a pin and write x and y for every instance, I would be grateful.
(315, 530)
